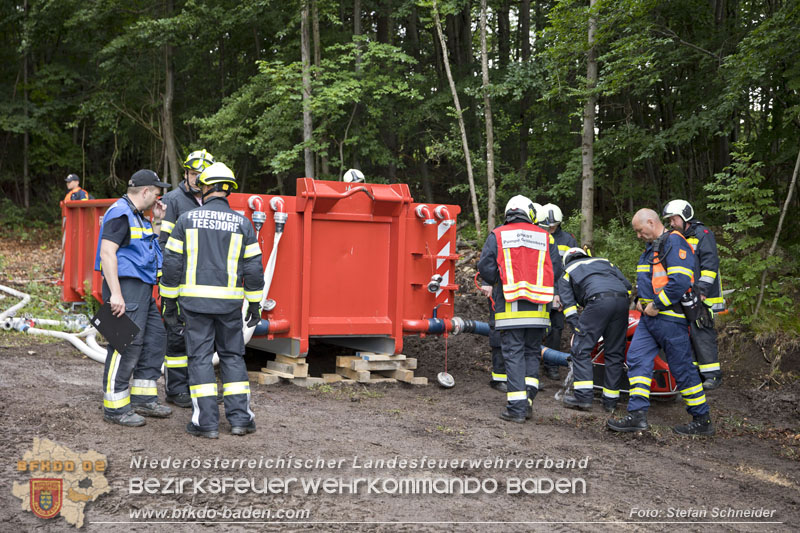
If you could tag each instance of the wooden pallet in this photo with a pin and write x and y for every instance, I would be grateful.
(370, 367)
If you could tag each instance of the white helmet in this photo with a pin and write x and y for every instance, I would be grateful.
(574, 253)
(537, 210)
(521, 204)
(353, 176)
(681, 208)
(551, 215)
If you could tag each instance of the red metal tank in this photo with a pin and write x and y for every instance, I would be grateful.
(358, 264)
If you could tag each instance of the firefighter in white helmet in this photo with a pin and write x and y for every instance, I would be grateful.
(520, 260)
(550, 218)
(185, 197)
(353, 176)
(680, 215)
(212, 263)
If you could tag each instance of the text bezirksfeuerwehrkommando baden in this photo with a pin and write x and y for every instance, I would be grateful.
(356, 462)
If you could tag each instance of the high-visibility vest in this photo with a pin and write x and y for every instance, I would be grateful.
(523, 257)
(659, 277)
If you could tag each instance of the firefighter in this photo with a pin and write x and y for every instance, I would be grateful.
(602, 290)
(550, 218)
(212, 262)
(353, 175)
(130, 261)
(665, 275)
(74, 190)
(499, 377)
(704, 337)
(185, 197)
(520, 259)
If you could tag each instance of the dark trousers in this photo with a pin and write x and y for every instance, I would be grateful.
(706, 353)
(553, 337)
(495, 343)
(204, 333)
(606, 317)
(652, 334)
(142, 358)
(176, 364)
(522, 348)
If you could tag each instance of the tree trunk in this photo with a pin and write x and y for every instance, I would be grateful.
(525, 55)
(460, 115)
(324, 167)
(26, 179)
(427, 188)
(172, 167)
(308, 126)
(487, 111)
(587, 145)
(778, 231)
(503, 34)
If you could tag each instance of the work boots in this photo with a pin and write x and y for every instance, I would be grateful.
(571, 402)
(509, 417)
(700, 426)
(551, 372)
(633, 421)
(154, 409)
(499, 386)
(244, 430)
(191, 429)
(182, 399)
(712, 383)
(127, 419)
(609, 405)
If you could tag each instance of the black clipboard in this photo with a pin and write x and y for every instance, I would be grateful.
(118, 331)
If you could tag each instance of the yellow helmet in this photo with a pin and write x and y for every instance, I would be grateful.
(198, 161)
(220, 175)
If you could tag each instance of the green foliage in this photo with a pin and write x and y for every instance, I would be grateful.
(739, 195)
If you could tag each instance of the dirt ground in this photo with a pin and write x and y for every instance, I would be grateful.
(632, 482)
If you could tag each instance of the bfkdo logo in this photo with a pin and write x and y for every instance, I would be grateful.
(46, 496)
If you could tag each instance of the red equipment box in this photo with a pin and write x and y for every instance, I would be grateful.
(357, 264)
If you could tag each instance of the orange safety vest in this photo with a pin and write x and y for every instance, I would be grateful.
(659, 277)
(523, 255)
(73, 191)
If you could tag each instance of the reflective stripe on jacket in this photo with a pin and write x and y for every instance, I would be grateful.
(212, 260)
(141, 258)
(526, 271)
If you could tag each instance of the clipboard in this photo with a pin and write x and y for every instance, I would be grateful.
(118, 331)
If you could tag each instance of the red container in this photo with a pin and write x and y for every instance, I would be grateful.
(663, 385)
(354, 264)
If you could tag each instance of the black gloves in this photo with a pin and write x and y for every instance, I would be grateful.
(170, 312)
(253, 314)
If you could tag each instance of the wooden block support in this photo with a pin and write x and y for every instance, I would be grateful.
(285, 375)
(331, 378)
(357, 375)
(308, 382)
(267, 379)
(371, 356)
(289, 360)
(381, 380)
(399, 374)
(419, 380)
(296, 370)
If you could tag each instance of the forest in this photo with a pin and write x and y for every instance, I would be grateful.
(600, 106)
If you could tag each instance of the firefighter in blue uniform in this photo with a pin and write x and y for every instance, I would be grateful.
(703, 334)
(550, 217)
(131, 260)
(499, 377)
(665, 274)
(520, 259)
(602, 290)
(185, 197)
(212, 263)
